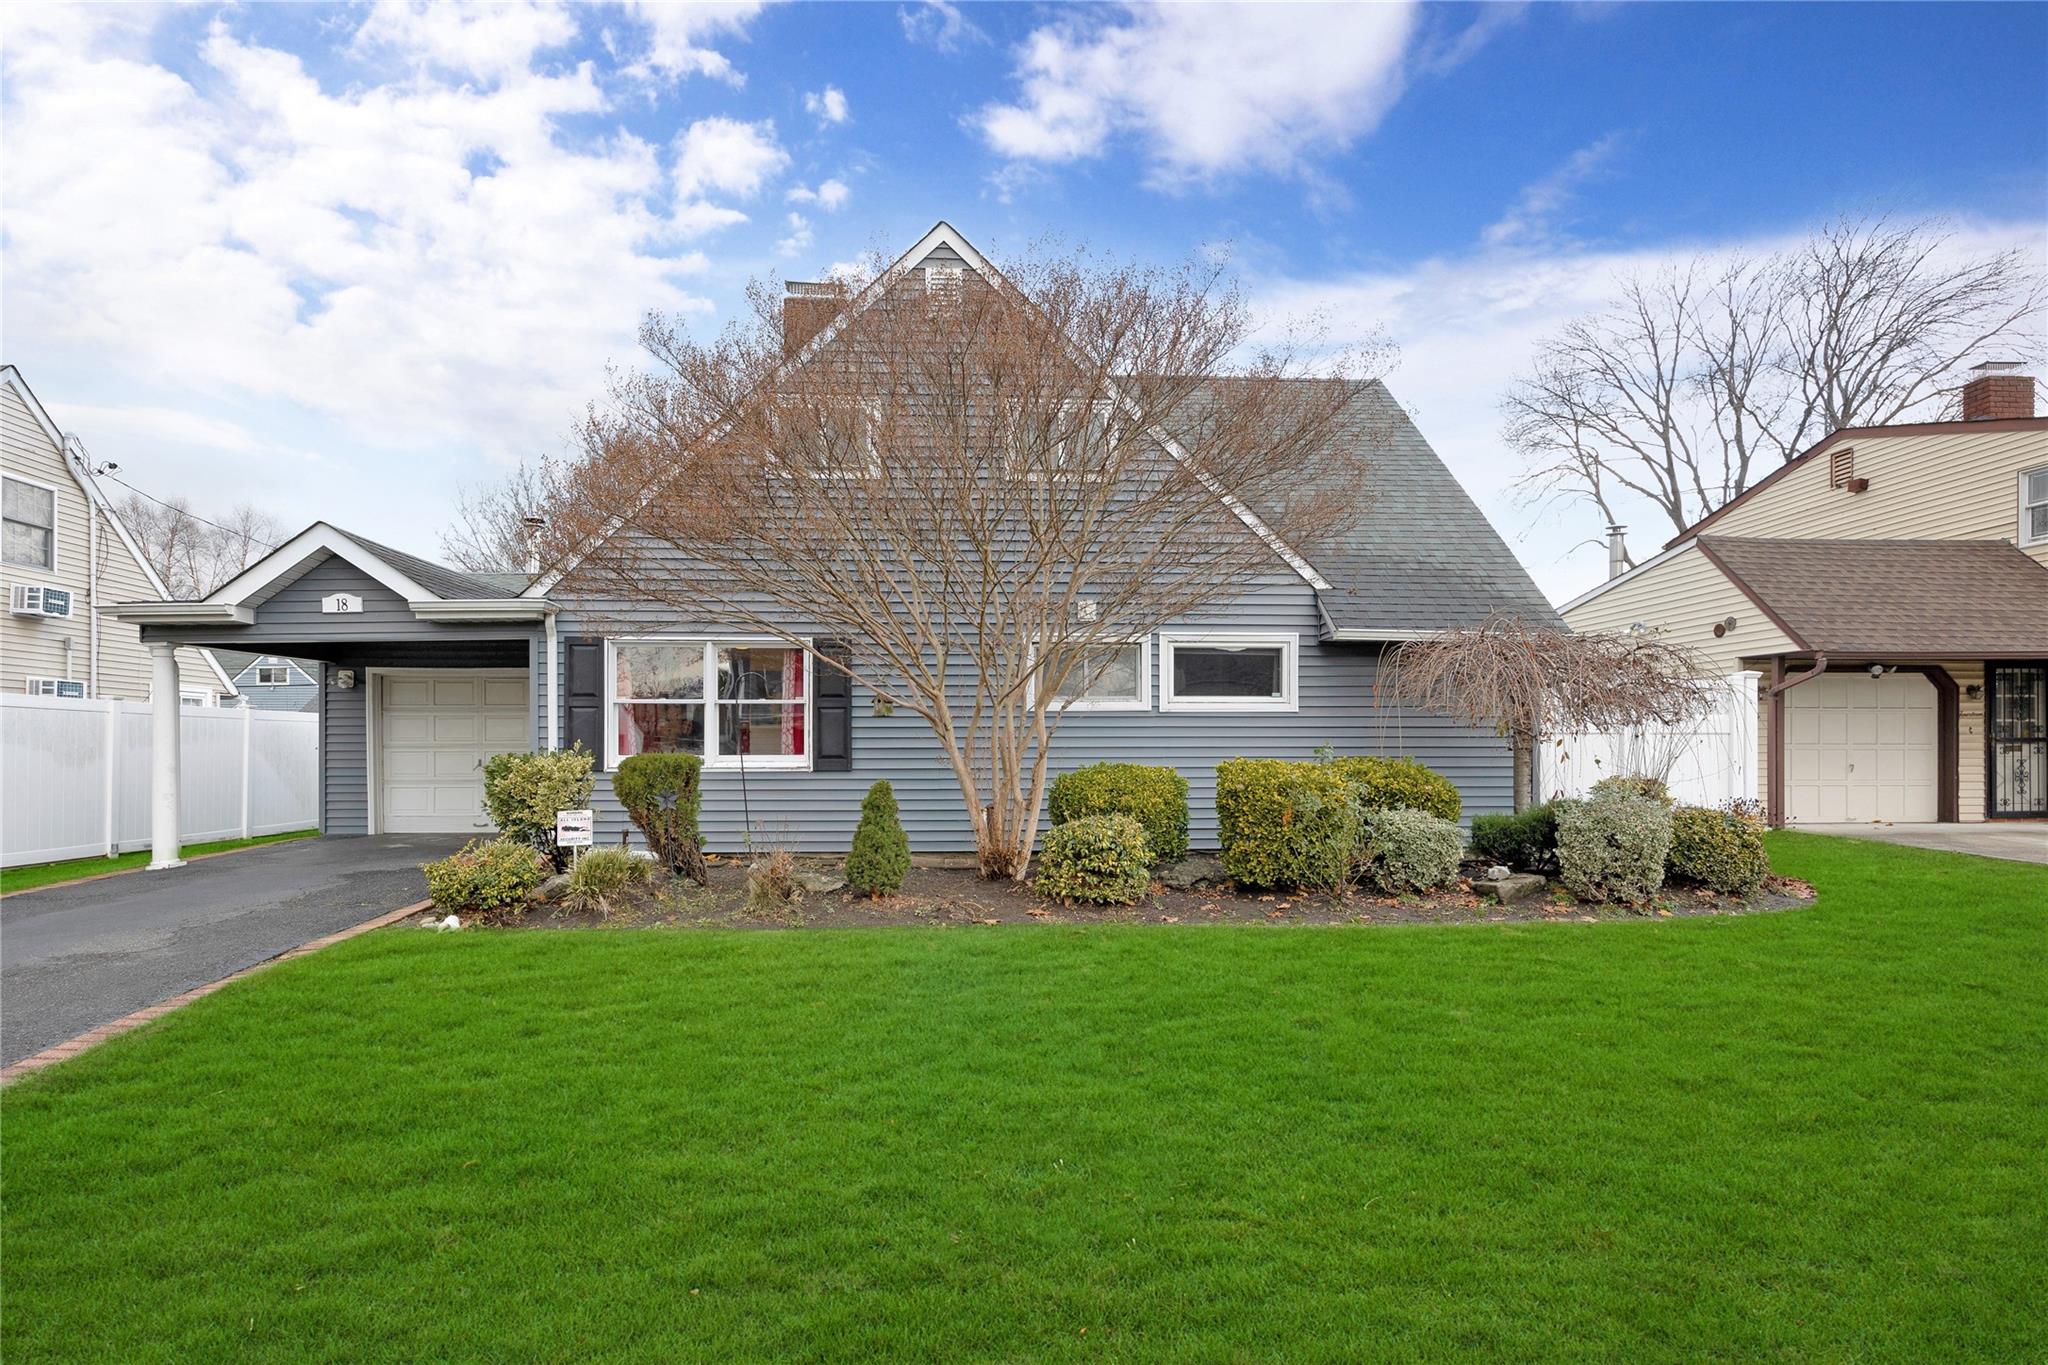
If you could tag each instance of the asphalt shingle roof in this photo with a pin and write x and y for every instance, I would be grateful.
(1961, 598)
(439, 579)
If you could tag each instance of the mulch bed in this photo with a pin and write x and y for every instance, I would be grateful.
(946, 896)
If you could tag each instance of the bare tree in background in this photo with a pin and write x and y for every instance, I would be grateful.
(985, 491)
(1526, 680)
(490, 532)
(1700, 379)
(194, 554)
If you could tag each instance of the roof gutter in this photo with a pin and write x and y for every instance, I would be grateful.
(180, 613)
(1820, 666)
(483, 609)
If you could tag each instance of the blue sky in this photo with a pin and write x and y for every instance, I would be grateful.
(339, 260)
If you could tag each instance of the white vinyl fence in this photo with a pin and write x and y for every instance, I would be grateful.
(74, 776)
(1705, 764)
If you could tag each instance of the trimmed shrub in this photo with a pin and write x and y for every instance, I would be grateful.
(1613, 848)
(1618, 785)
(881, 852)
(1526, 839)
(1400, 784)
(1411, 850)
(1717, 850)
(662, 792)
(602, 873)
(772, 885)
(487, 874)
(522, 792)
(1286, 824)
(1157, 798)
(1098, 858)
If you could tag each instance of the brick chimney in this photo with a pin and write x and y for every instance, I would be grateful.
(808, 307)
(1997, 389)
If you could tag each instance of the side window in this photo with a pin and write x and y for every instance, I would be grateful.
(29, 535)
(2034, 506)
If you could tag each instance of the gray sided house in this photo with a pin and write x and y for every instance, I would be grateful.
(425, 672)
(272, 682)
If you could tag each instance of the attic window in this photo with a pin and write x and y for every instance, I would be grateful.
(1841, 468)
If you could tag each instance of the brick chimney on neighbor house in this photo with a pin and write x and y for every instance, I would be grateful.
(808, 307)
(1997, 389)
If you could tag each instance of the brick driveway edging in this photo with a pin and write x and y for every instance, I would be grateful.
(71, 1047)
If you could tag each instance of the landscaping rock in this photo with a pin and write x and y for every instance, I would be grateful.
(553, 889)
(1507, 890)
(1197, 869)
(820, 883)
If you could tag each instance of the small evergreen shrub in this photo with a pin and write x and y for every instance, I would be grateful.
(1099, 858)
(1400, 784)
(881, 852)
(487, 874)
(772, 885)
(1286, 824)
(1156, 797)
(1526, 840)
(602, 873)
(1717, 850)
(1613, 848)
(1411, 850)
(1618, 785)
(662, 793)
(522, 792)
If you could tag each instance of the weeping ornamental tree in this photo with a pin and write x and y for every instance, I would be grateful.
(987, 486)
(1525, 680)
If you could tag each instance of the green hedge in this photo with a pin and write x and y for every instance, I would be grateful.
(881, 851)
(1619, 785)
(522, 792)
(1400, 784)
(1411, 850)
(1156, 797)
(662, 793)
(1612, 848)
(488, 874)
(1286, 824)
(1099, 858)
(1720, 851)
(1525, 840)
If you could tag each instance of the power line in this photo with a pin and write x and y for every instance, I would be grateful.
(185, 511)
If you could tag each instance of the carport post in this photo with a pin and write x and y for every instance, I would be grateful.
(166, 716)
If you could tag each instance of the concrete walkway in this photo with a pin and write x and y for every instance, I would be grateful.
(2022, 841)
(75, 957)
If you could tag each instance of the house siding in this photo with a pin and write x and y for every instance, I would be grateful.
(33, 645)
(1685, 597)
(816, 812)
(292, 695)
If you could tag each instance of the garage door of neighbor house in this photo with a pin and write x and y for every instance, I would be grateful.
(1861, 748)
(435, 728)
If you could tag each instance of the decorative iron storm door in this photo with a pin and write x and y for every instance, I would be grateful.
(2016, 729)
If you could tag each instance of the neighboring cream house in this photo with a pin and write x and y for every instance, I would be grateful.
(1891, 587)
(65, 553)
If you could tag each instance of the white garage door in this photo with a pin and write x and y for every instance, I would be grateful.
(1861, 748)
(434, 731)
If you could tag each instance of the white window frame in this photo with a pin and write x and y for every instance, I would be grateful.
(1142, 702)
(2038, 471)
(284, 670)
(1287, 642)
(189, 697)
(713, 760)
(871, 418)
(56, 522)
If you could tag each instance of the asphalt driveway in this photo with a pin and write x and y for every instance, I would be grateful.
(75, 957)
(2024, 841)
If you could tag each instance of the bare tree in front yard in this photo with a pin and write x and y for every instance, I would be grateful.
(490, 530)
(1699, 379)
(1524, 681)
(194, 554)
(986, 490)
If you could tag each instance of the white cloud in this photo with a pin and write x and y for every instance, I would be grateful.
(939, 24)
(1468, 323)
(1207, 89)
(799, 238)
(827, 106)
(722, 155)
(830, 195)
(676, 34)
(1535, 214)
(491, 42)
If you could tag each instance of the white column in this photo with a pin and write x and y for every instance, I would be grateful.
(248, 722)
(166, 718)
(552, 740)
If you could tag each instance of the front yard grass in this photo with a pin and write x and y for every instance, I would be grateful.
(1812, 1135)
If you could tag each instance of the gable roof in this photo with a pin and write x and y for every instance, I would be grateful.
(1893, 598)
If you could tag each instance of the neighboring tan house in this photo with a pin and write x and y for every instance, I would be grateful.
(427, 671)
(66, 553)
(1891, 586)
(272, 682)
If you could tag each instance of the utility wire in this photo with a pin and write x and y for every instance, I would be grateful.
(184, 511)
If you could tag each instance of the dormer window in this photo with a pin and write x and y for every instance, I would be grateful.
(1841, 468)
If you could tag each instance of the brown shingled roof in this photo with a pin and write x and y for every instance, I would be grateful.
(1949, 598)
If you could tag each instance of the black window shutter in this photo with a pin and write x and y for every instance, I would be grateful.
(832, 709)
(583, 694)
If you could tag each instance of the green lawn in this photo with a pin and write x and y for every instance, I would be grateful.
(46, 874)
(1808, 1136)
